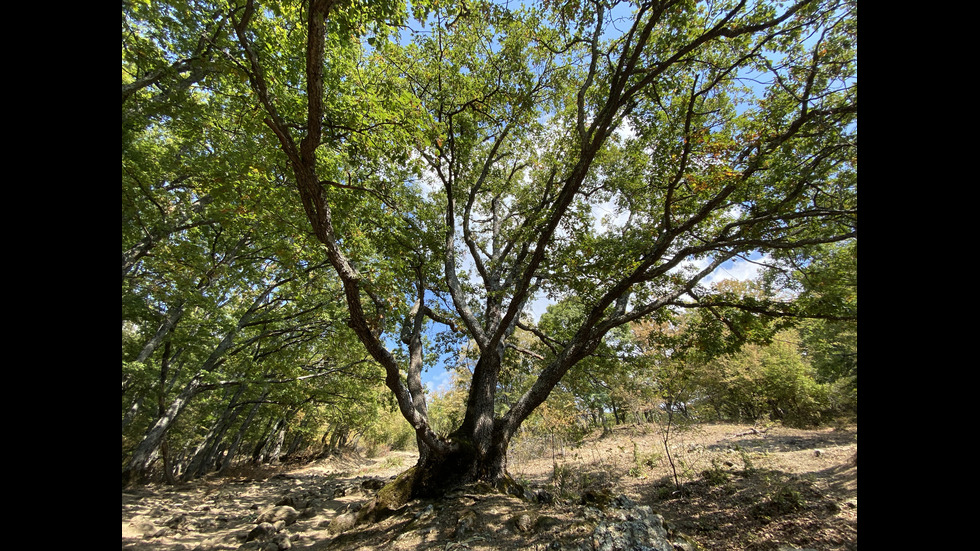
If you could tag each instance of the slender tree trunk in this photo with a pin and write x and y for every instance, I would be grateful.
(138, 464)
(335, 439)
(294, 444)
(135, 470)
(132, 411)
(240, 435)
(168, 467)
(277, 441)
(615, 410)
(166, 326)
(204, 455)
(264, 447)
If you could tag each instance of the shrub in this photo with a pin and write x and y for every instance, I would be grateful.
(715, 475)
(773, 381)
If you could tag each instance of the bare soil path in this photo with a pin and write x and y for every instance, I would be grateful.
(738, 488)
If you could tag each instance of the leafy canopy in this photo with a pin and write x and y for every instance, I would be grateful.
(457, 160)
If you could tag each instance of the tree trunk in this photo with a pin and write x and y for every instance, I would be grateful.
(136, 468)
(615, 412)
(335, 440)
(276, 450)
(168, 463)
(143, 455)
(132, 411)
(204, 455)
(295, 444)
(466, 461)
(240, 435)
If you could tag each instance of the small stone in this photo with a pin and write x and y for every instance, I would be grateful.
(465, 523)
(178, 522)
(282, 542)
(523, 522)
(424, 513)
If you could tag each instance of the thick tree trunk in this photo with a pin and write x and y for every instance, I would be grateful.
(467, 461)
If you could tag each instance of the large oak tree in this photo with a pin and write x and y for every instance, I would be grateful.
(459, 160)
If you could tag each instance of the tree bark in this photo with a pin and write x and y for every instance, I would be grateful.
(277, 441)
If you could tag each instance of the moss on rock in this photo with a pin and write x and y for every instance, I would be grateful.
(390, 498)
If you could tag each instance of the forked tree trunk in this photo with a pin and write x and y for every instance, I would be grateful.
(467, 460)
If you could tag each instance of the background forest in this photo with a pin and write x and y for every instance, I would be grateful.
(265, 320)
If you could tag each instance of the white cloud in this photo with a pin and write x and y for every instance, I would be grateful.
(738, 269)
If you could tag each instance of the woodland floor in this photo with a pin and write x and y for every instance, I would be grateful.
(738, 490)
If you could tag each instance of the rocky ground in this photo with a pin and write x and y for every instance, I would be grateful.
(737, 488)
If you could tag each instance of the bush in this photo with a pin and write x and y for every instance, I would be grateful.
(715, 475)
(773, 381)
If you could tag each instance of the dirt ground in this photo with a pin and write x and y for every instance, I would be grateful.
(737, 487)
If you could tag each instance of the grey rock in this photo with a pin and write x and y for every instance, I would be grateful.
(296, 501)
(465, 524)
(284, 513)
(145, 527)
(632, 535)
(429, 511)
(523, 522)
(178, 522)
(282, 542)
(262, 532)
(628, 527)
(341, 523)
